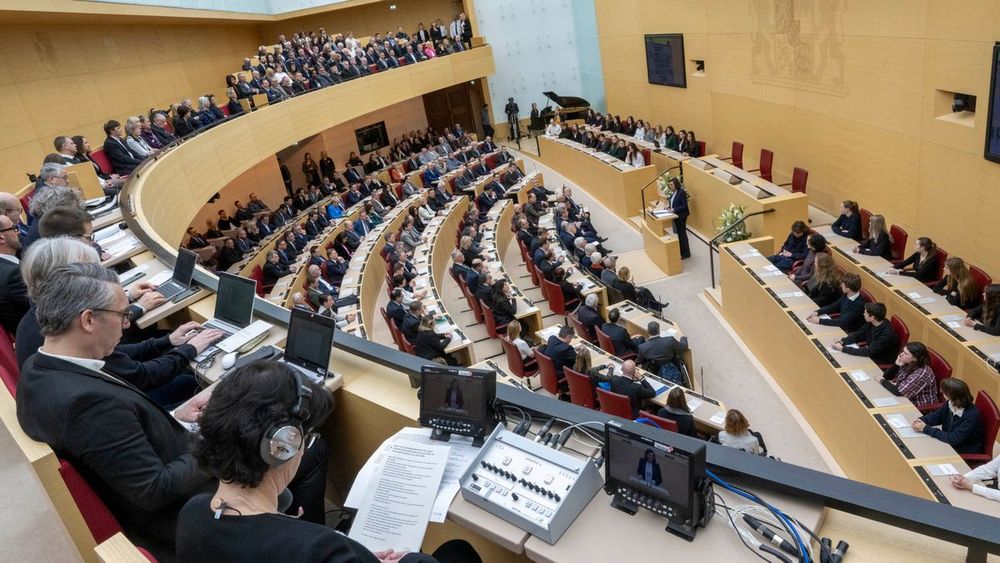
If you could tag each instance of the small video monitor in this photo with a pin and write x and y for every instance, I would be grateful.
(457, 400)
(661, 477)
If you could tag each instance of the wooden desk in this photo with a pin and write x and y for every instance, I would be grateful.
(148, 268)
(828, 387)
(663, 249)
(617, 188)
(710, 195)
(929, 317)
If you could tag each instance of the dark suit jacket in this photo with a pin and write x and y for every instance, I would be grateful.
(274, 272)
(131, 450)
(13, 296)
(396, 312)
(122, 160)
(410, 325)
(429, 345)
(636, 391)
(851, 313)
(563, 355)
(620, 338)
(657, 475)
(881, 343)
(659, 350)
(590, 319)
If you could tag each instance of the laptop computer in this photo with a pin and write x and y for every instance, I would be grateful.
(309, 343)
(181, 279)
(233, 304)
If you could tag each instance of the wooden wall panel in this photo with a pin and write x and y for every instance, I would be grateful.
(70, 79)
(844, 89)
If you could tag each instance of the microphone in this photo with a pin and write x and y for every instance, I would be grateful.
(544, 429)
(768, 533)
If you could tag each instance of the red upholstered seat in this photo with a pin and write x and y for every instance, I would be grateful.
(663, 423)
(799, 178)
(492, 328)
(517, 365)
(9, 371)
(257, 275)
(942, 370)
(989, 415)
(941, 257)
(102, 160)
(101, 523)
(766, 163)
(899, 236)
(614, 404)
(866, 217)
(557, 304)
(604, 341)
(647, 156)
(581, 390)
(547, 369)
(737, 156)
(981, 278)
(581, 330)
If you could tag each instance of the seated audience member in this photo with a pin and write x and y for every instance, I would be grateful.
(570, 291)
(974, 480)
(678, 411)
(849, 307)
(13, 293)
(52, 197)
(159, 128)
(134, 141)
(630, 383)
(523, 348)
(959, 420)
(957, 285)
(875, 339)
(794, 248)
(132, 452)
(823, 287)
(229, 254)
(274, 270)
(620, 338)
(816, 244)
(589, 316)
(737, 433)
(123, 160)
(411, 322)
(922, 264)
(584, 365)
(986, 317)
(849, 223)
(879, 242)
(430, 345)
(501, 303)
(558, 349)
(196, 240)
(662, 355)
(911, 376)
(257, 439)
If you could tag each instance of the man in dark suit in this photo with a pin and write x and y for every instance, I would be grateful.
(659, 350)
(13, 293)
(363, 225)
(243, 242)
(411, 322)
(395, 308)
(336, 267)
(851, 307)
(159, 128)
(632, 384)
(624, 343)
(122, 160)
(589, 316)
(196, 239)
(558, 348)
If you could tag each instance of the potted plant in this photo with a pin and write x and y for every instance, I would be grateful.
(729, 217)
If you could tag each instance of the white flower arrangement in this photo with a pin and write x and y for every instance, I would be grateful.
(729, 217)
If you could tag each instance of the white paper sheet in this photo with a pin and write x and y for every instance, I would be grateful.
(940, 469)
(909, 432)
(859, 375)
(694, 403)
(718, 418)
(897, 421)
(885, 402)
(398, 502)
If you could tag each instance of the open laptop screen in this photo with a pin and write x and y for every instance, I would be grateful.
(310, 337)
(234, 303)
(184, 267)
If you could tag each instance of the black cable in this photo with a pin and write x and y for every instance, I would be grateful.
(822, 547)
(729, 515)
(752, 496)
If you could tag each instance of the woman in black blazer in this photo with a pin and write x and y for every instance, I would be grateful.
(430, 345)
(502, 304)
(824, 285)
(691, 147)
(957, 285)
(959, 419)
(986, 317)
(879, 242)
(849, 223)
(922, 264)
(679, 205)
(678, 411)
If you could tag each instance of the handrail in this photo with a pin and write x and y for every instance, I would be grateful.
(713, 244)
(642, 190)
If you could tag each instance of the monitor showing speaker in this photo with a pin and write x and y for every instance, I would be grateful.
(457, 400)
(661, 472)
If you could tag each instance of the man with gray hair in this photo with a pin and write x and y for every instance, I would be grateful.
(133, 452)
(630, 383)
(608, 274)
(589, 315)
(50, 198)
(51, 174)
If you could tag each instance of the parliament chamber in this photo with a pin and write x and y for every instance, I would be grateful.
(314, 222)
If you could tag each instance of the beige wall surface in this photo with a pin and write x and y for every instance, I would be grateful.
(70, 79)
(366, 20)
(846, 90)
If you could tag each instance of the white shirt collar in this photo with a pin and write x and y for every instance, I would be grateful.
(93, 365)
(955, 411)
(10, 258)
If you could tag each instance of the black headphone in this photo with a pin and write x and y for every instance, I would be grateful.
(284, 439)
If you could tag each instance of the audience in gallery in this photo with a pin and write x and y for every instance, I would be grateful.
(957, 422)
(848, 224)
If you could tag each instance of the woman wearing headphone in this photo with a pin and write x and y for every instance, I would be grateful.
(256, 438)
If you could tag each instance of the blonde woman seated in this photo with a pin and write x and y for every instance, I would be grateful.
(737, 433)
(584, 365)
(523, 348)
(824, 285)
